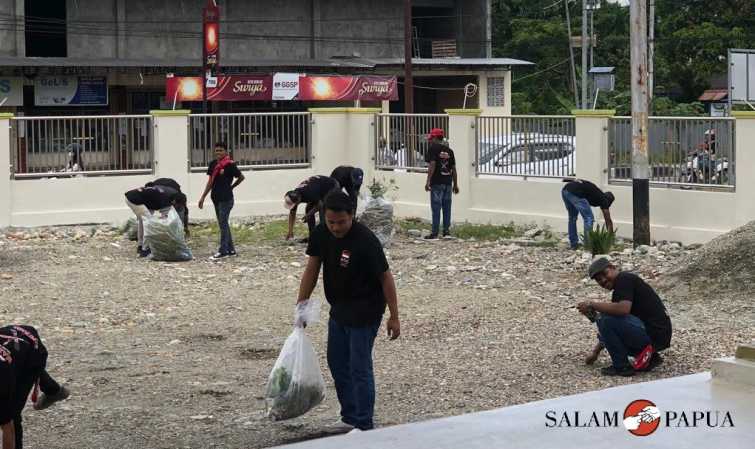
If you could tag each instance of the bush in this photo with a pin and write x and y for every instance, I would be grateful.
(600, 240)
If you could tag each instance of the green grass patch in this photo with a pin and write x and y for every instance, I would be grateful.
(465, 230)
(245, 234)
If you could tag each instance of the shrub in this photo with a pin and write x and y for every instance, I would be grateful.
(600, 240)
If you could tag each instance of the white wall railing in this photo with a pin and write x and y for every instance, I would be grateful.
(255, 140)
(401, 139)
(81, 145)
(683, 152)
(529, 146)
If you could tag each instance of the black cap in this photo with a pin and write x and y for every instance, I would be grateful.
(597, 266)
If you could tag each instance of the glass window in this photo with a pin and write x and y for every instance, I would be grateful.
(496, 91)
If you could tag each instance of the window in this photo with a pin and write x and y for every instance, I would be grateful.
(496, 91)
(45, 24)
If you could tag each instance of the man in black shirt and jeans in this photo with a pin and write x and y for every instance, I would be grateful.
(358, 285)
(441, 175)
(634, 323)
(222, 172)
(312, 191)
(579, 196)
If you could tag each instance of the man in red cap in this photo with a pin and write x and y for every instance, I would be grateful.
(441, 180)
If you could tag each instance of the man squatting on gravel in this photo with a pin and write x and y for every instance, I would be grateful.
(23, 359)
(358, 284)
(634, 322)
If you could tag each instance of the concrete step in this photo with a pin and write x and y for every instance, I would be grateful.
(734, 370)
(746, 352)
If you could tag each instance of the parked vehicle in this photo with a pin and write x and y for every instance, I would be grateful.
(530, 154)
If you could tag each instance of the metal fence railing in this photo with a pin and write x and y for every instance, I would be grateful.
(81, 145)
(401, 139)
(255, 140)
(530, 146)
(682, 152)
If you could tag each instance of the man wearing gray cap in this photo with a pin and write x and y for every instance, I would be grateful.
(634, 322)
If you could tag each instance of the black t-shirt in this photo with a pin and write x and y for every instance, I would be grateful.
(445, 163)
(646, 305)
(589, 191)
(342, 174)
(21, 354)
(352, 269)
(221, 186)
(154, 198)
(314, 189)
(167, 182)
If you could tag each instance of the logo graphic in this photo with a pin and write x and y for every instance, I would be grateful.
(641, 418)
(345, 258)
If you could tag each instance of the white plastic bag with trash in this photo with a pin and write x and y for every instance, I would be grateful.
(378, 217)
(164, 236)
(296, 385)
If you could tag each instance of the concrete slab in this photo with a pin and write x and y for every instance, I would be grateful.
(734, 370)
(526, 425)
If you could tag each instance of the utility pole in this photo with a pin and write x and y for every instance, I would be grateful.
(651, 49)
(584, 54)
(408, 80)
(571, 56)
(640, 171)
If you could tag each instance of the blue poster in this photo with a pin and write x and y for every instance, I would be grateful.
(70, 91)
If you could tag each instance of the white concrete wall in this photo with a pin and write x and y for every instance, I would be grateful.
(346, 136)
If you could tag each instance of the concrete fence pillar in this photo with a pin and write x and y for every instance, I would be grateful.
(745, 166)
(360, 144)
(591, 128)
(171, 145)
(5, 169)
(329, 138)
(462, 135)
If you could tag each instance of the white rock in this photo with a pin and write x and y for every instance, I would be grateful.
(174, 342)
(296, 264)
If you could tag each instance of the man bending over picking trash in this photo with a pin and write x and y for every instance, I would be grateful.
(358, 285)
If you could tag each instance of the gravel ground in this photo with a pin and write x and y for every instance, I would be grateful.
(177, 355)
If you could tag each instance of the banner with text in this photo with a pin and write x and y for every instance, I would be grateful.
(229, 88)
(70, 91)
(348, 88)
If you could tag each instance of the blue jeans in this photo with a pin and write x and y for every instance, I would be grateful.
(577, 206)
(223, 213)
(440, 199)
(350, 363)
(622, 336)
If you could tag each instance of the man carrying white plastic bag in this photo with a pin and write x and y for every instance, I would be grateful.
(296, 385)
(358, 285)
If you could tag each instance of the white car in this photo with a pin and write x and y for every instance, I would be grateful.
(528, 154)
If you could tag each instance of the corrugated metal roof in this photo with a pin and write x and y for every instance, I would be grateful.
(266, 63)
(714, 95)
(602, 69)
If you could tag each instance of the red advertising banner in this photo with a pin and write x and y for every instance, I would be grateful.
(340, 88)
(229, 88)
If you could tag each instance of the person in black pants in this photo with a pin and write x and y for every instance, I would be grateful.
(23, 359)
(350, 178)
(312, 191)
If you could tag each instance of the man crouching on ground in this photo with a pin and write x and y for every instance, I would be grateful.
(634, 322)
(358, 284)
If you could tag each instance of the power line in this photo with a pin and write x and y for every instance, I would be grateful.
(541, 71)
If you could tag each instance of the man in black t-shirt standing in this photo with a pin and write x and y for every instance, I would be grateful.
(579, 196)
(358, 285)
(312, 191)
(23, 359)
(634, 323)
(350, 179)
(224, 176)
(441, 180)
